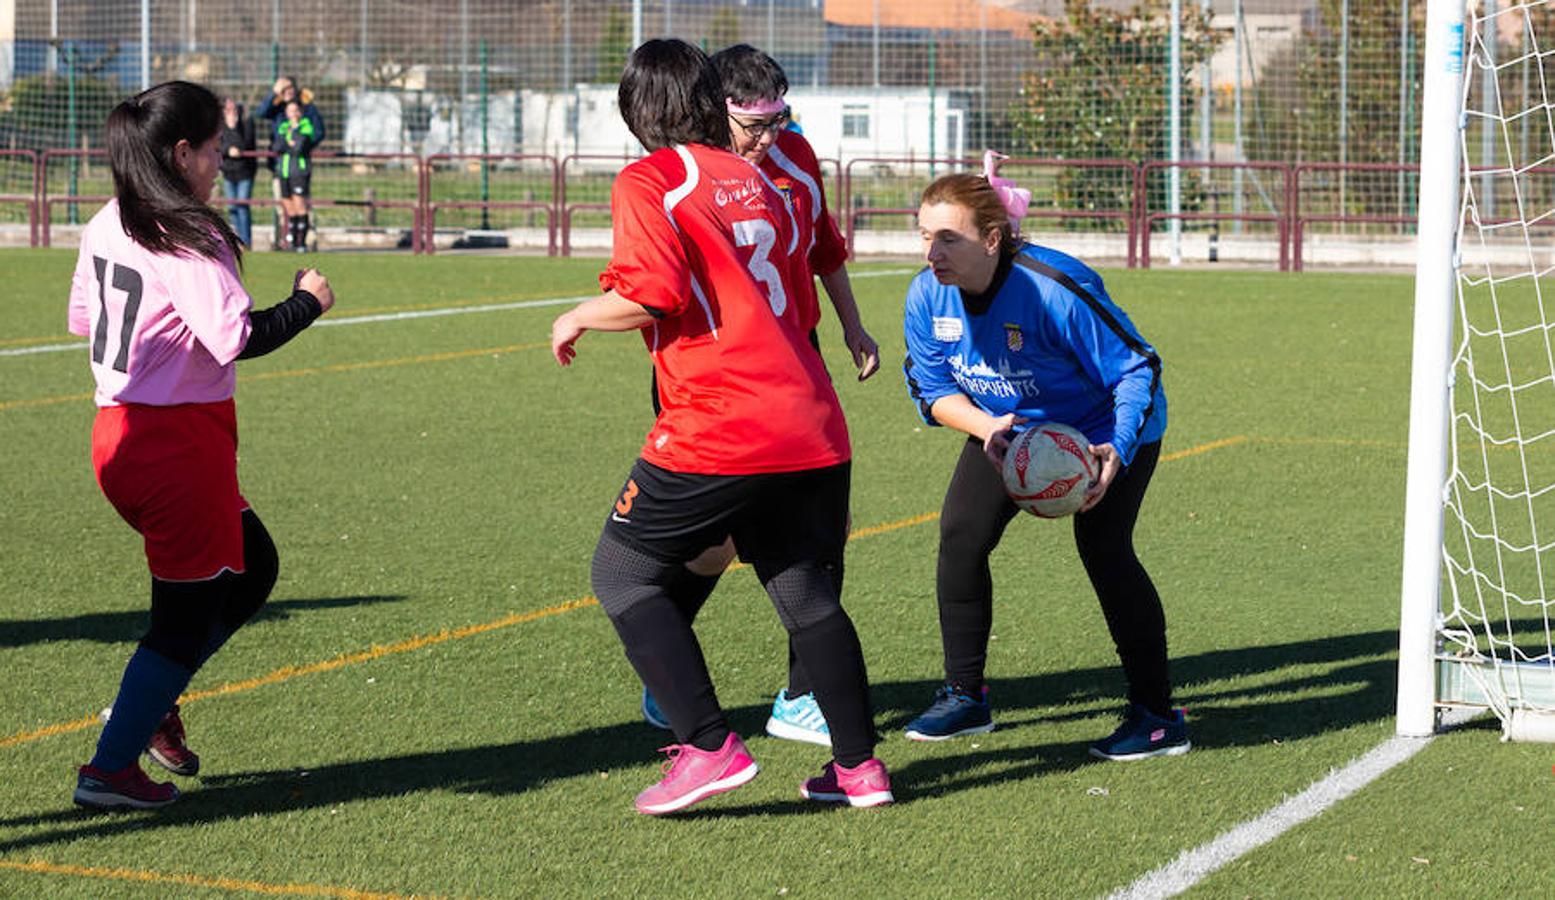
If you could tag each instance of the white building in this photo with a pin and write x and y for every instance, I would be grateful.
(419, 122)
(841, 123)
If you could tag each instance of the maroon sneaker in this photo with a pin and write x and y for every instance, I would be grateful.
(128, 788)
(866, 784)
(167, 747)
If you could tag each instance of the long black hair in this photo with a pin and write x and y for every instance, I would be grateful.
(670, 94)
(155, 205)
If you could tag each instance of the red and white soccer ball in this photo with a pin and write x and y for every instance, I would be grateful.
(1048, 469)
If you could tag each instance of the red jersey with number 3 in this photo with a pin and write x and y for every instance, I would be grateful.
(705, 243)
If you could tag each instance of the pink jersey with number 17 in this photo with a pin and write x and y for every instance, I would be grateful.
(163, 329)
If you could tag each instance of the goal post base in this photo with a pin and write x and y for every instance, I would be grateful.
(1531, 725)
(1527, 688)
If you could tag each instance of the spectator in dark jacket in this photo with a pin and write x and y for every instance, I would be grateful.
(237, 170)
(273, 108)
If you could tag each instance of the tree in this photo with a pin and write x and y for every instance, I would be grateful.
(38, 110)
(1296, 102)
(615, 45)
(724, 30)
(1100, 90)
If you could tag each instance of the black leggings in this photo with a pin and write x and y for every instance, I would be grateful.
(973, 519)
(191, 619)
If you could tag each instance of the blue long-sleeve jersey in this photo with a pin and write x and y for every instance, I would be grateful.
(1048, 344)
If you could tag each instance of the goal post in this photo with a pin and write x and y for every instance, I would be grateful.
(1429, 394)
(1477, 599)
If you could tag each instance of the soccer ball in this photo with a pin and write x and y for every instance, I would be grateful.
(1048, 469)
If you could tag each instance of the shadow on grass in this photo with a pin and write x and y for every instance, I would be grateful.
(1341, 682)
(498, 769)
(1348, 680)
(124, 627)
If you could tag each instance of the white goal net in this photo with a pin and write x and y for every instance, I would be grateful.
(1494, 644)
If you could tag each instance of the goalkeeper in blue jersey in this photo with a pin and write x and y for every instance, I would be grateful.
(1002, 334)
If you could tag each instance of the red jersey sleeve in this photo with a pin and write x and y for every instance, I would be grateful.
(831, 250)
(828, 250)
(648, 262)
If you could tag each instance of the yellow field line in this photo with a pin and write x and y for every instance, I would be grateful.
(1335, 442)
(400, 361)
(286, 673)
(40, 867)
(418, 642)
(44, 401)
(317, 370)
(892, 526)
(1205, 448)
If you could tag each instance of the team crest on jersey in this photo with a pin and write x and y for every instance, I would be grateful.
(1012, 337)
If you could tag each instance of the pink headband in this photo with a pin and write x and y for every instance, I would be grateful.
(760, 108)
(1015, 199)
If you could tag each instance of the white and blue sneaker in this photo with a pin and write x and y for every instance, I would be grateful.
(798, 719)
(652, 714)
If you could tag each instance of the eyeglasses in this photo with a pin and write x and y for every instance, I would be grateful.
(755, 130)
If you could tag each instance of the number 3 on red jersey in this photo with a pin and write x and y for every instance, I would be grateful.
(760, 234)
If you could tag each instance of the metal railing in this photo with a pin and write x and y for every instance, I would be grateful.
(1299, 219)
(1280, 217)
(29, 160)
(855, 211)
(550, 206)
(71, 197)
(566, 207)
(1289, 197)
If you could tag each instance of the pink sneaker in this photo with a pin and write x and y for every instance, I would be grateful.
(866, 784)
(128, 788)
(692, 775)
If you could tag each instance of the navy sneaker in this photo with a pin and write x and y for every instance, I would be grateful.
(652, 714)
(952, 714)
(1144, 734)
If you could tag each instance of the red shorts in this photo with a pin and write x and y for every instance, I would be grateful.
(172, 473)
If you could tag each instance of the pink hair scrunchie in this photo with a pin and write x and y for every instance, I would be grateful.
(1015, 199)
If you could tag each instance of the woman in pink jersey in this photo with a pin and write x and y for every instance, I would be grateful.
(750, 441)
(157, 293)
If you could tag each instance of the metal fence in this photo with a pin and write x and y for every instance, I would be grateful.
(424, 204)
(1233, 84)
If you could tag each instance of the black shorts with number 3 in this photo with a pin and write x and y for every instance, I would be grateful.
(776, 518)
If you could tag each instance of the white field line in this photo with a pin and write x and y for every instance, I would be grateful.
(44, 348)
(449, 311)
(417, 314)
(1194, 865)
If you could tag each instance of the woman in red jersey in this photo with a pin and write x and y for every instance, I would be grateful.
(157, 292)
(750, 442)
(754, 88)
